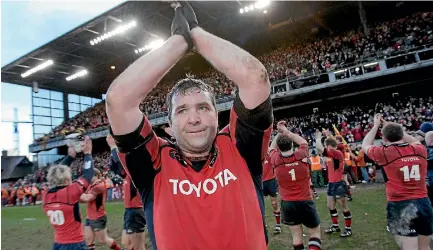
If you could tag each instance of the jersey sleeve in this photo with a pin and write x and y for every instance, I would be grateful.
(251, 130)
(76, 189)
(273, 157)
(139, 153)
(376, 154)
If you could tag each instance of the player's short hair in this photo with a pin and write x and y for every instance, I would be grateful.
(392, 132)
(339, 138)
(284, 143)
(58, 175)
(331, 142)
(185, 85)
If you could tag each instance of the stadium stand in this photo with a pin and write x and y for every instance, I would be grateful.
(291, 61)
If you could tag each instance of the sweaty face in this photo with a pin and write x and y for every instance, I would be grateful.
(194, 121)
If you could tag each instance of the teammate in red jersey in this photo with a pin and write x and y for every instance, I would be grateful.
(403, 158)
(292, 169)
(270, 188)
(348, 172)
(61, 201)
(95, 226)
(134, 221)
(207, 188)
(337, 187)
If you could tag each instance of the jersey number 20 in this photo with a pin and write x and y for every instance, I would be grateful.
(56, 217)
(412, 173)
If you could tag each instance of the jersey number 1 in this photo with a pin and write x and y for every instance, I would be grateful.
(292, 173)
(412, 174)
(56, 217)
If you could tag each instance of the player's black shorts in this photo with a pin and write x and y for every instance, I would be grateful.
(270, 188)
(300, 212)
(410, 218)
(337, 189)
(133, 220)
(347, 168)
(98, 224)
(70, 246)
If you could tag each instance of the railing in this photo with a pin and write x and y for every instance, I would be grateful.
(407, 60)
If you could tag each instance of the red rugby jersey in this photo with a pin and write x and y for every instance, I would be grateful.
(405, 166)
(268, 170)
(132, 198)
(220, 206)
(61, 205)
(293, 174)
(335, 164)
(95, 209)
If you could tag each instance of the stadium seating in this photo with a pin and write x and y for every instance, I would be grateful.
(290, 61)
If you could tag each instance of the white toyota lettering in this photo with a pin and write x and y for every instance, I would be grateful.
(209, 186)
(410, 159)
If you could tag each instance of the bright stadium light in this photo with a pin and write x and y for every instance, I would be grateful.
(261, 4)
(150, 46)
(265, 11)
(258, 5)
(118, 30)
(37, 68)
(76, 75)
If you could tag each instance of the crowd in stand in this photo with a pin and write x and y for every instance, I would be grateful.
(25, 191)
(290, 60)
(354, 122)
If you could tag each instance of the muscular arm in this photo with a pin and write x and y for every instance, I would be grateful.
(369, 138)
(67, 161)
(242, 68)
(88, 167)
(295, 138)
(319, 145)
(87, 197)
(134, 84)
(274, 143)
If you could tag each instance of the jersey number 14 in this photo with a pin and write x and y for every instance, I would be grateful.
(56, 217)
(411, 174)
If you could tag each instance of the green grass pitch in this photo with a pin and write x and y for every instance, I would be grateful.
(28, 228)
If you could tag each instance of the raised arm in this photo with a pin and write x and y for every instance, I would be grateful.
(134, 84)
(281, 126)
(241, 67)
(319, 145)
(369, 138)
(88, 170)
(274, 143)
(67, 161)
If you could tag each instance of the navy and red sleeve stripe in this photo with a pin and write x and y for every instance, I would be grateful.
(251, 131)
(139, 154)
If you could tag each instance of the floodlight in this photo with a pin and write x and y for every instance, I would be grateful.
(241, 11)
(37, 68)
(150, 46)
(116, 31)
(76, 75)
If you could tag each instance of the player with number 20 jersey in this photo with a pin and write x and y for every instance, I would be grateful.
(61, 201)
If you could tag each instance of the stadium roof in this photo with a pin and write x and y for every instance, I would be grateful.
(73, 52)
